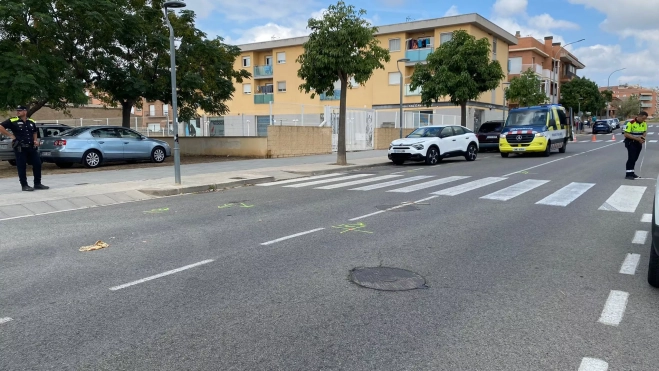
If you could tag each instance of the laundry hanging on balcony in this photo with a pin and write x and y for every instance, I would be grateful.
(420, 43)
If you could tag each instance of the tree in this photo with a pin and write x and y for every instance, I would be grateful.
(526, 90)
(461, 69)
(627, 107)
(341, 45)
(591, 98)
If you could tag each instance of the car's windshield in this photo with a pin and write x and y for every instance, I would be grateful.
(602, 122)
(3, 137)
(528, 117)
(73, 132)
(424, 133)
(489, 127)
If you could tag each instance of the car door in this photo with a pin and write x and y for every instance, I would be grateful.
(135, 148)
(462, 139)
(110, 142)
(447, 141)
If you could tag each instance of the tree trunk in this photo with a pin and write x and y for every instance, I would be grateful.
(126, 107)
(35, 107)
(341, 145)
(463, 114)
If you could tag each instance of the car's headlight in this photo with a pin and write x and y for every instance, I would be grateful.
(418, 146)
(540, 135)
(391, 146)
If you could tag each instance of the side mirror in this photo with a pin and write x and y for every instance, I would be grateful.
(552, 123)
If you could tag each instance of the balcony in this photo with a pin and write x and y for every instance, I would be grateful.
(409, 92)
(418, 55)
(546, 74)
(645, 97)
(263, 98)
(336, 96)
(646, 105)
(262, 72)
(534, 67)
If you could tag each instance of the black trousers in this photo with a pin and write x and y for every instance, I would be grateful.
(633, 151)
(23, 155)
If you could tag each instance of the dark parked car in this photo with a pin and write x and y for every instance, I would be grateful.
(602, 126)
(45, 130)
(653, 271)
(488, 134)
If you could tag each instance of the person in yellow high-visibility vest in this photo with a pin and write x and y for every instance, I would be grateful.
(635, 132)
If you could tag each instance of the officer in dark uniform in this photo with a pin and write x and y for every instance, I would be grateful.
(634, 138)
(24, 135)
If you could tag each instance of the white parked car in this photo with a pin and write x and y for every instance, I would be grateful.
(434, 143)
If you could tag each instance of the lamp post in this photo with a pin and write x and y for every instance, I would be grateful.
(401, 93)
(555, 68)
(174, 4)
(608, 89)
(504, 103)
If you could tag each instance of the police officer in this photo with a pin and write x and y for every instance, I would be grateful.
(634, 138)
(24, 135)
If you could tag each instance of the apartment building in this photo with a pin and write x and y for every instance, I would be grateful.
(551, 63)
(273, 88)
(649, 98)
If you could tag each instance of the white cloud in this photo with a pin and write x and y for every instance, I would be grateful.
(510, 7)
(547, 22)
(602, 60)
(453, 10)
(243, 11)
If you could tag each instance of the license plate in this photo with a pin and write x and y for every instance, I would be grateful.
(45, 153)
(492, 137)
(4, 146)
(522, 149)
(399, 151)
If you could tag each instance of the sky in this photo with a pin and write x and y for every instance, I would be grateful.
(618, 34)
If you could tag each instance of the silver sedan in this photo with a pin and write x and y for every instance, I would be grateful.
(94, 145)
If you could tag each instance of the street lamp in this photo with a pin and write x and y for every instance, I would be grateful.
(401, 93)
(504, 103)
(554, 69)
(174, 4)
(608, 89)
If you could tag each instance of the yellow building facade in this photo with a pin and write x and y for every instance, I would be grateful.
(274, 72)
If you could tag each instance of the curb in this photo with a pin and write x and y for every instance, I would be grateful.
(205, 187)
(340, 168)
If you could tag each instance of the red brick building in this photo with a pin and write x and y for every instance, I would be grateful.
(649, 98)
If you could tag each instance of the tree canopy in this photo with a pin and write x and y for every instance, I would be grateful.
(591, 98)
(341, 45)
(461, 69)
(627, 107)
(526, 90)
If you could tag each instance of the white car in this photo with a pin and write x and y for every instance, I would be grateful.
(434, 143)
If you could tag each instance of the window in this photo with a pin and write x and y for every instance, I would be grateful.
(562, 117)
(165, 109)
(394, 45)
(444, 37)
(458, 130)
(394, 78)
(494, 46)
(125, 133)
(152, 110)
(281, 86)
(281, 57)
(446, 132)
(515, 65)
(268, 60)
(246, 62)
(247, 88)
(352, 82)
(419, 43)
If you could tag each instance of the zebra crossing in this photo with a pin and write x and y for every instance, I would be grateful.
(626, 198)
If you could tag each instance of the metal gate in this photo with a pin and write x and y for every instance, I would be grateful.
(359, 128)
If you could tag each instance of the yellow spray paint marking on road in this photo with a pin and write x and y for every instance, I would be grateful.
(242, 204)
(96, 246)
(157, 211)
(357, 227)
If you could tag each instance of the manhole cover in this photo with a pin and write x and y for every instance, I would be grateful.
(398, 208)
(387, 279)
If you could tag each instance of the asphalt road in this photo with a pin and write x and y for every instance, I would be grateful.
(257, 278)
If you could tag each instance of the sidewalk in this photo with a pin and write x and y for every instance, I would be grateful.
(101, 188)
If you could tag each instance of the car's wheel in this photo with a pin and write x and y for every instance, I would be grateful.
(653, 271)
(547, 151)
(472, 152)
(12, 162)
(91, 159)
(64, 165)
(432, 156)
(564, 148)
(158, 155)
(504, 154)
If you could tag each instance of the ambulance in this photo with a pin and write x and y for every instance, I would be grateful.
(536, 129)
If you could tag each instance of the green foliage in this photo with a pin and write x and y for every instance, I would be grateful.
(627, 107)
(341, 45)
(525, 90)
(592, 100)
(461, 69)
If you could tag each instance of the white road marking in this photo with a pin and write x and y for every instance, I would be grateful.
(5, 319)
(651, 126)
(651, 133)
(361, 181)
(160, 275)
(625, 199)
(367, 215)
(425, 199)
(611, 140)
(432, 183)
(391, 208)
(454, 191)
(391, 183)
(654, 141)
(515, 190)
(614, 309)
(583, 141)
(646, 218)
(640, 237)
(593, 364)
(291, 236)
(328, 180)
(630, 264)
(566, 195)
(299, 179)
(597, 141)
